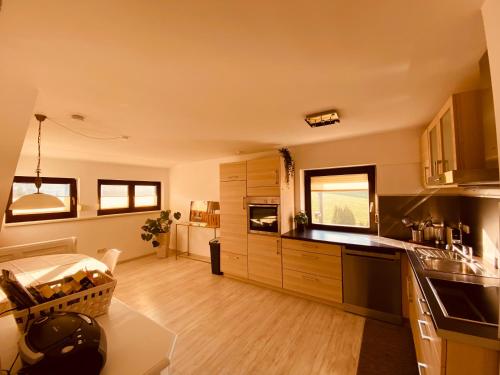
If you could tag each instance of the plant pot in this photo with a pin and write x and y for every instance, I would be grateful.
(163, 248)
(300, 227)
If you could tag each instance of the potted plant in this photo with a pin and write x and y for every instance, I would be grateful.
(289, 164)
(158, 232)
(301, 220)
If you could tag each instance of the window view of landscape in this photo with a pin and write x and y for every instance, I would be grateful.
(61, 191)
(340, 200)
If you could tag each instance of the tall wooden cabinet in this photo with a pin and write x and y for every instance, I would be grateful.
(233, 219)
(253, 256)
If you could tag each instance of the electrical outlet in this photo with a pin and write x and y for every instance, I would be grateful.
(101, 251)
(466, 229)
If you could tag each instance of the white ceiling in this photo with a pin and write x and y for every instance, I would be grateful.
(190, 80)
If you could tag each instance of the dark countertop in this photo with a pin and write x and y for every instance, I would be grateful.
(448, 328)
(354, 240)
(451, 328)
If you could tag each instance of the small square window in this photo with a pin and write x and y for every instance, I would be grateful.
(341, 198)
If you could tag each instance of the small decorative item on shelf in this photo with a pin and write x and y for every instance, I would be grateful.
(158, 232)
(289, 164)
(301, 220)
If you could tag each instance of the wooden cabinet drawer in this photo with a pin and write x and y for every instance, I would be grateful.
(313, 247)
(317, 264)
(313, 285)
(428, 345)
(233, 171)
(234, 264)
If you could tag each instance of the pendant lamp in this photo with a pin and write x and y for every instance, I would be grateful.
(37, 200)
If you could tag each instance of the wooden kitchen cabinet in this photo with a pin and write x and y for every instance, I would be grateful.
(313, 269)
(264, 259)
(264, 177)
(454, 138)
(233, 171)
(233, 198)
(234, 264)
(429, 347)
(233, 222)
(425, 157)
(438, 356)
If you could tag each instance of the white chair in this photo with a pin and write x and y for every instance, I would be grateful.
(110, 258)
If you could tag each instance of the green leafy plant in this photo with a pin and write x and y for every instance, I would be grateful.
(152, 228)
(289, 164)
(301, 218)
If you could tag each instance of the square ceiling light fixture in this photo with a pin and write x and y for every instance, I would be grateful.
(316, 120)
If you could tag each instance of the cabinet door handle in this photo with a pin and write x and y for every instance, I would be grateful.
(423, 311)
(277, 175)
(422, 334)
(244, 200)
(439, 166)
(422, 368)
(277, 247)
(409, 291)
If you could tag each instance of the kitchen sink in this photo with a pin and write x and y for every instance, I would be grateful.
(450, 262)
(467, 301)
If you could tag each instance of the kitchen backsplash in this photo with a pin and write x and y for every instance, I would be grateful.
(481, 214)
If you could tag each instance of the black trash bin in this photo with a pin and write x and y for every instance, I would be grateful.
(215, 256)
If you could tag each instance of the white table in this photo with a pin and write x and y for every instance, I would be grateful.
(45, 268)
(135, 344)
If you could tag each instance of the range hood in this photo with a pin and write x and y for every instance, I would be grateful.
(469, 177)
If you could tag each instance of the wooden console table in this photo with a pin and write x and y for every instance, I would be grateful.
(190, 225)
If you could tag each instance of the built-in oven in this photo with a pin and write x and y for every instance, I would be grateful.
(264, 215)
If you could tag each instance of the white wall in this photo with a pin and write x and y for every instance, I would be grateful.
(396, 155)
(93, 233)
(16, 108)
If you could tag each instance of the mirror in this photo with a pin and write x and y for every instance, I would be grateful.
(205, 213)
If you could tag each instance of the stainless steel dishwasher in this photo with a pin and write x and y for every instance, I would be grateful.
(372, 283)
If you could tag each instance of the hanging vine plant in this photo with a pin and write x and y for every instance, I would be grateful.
(289, 164)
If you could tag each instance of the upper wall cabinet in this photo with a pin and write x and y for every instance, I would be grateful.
(263, 177)
(233, 171)
(454, 140)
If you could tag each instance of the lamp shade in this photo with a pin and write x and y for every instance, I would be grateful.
(36, 201)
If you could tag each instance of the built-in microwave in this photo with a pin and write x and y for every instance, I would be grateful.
(264, 215)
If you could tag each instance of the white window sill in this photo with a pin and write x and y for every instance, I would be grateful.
(55, 221)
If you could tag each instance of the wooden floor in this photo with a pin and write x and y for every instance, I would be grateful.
(229, 327)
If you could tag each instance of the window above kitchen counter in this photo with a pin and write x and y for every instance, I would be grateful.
(341, 198)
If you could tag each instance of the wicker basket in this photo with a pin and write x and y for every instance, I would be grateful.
(93, 301)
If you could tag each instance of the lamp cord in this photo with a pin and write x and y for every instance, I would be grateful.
(38, 181)
(86, 135)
